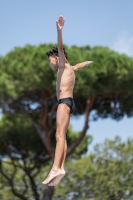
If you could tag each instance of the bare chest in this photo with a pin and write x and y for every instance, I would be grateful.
(65, 77)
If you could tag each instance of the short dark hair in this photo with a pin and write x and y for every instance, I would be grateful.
(54, 52)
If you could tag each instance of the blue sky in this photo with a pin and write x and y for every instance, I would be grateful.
(87, 22)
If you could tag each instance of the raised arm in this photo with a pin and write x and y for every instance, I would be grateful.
(59, 24)
(81, 65)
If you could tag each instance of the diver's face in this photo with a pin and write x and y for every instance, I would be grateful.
(53, 62)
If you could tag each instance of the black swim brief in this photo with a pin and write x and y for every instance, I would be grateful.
(69, 102)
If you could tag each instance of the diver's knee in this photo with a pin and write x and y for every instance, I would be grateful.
(60, 135)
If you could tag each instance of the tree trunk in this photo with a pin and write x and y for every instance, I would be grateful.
(48, 193)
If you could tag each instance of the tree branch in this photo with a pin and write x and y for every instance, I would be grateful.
(10, 181)
(44, 109)
(46, 140)
(33, 185)
(40, 131)
(89, 106)
(26, 185)
(51, 114)
(48, 193)
(37, 172)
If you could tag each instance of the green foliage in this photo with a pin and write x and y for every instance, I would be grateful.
(19, 132)
(25, 71)
(104, 174)
(25, 76)
(19, 181)
(24, 156)
(82, 148)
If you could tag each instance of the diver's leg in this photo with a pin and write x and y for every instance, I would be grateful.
(62, 118)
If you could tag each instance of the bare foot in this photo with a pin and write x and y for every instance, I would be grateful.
(57, 179)
(52, 175)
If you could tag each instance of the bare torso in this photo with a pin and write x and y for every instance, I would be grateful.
(65, 82)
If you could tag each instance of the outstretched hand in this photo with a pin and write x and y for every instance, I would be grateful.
(60, 22)
(88, 63)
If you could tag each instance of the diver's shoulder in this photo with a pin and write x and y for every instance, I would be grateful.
(68, 65)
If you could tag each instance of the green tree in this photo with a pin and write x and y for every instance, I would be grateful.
(27, 87)
(23, 156)
(104, 174)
